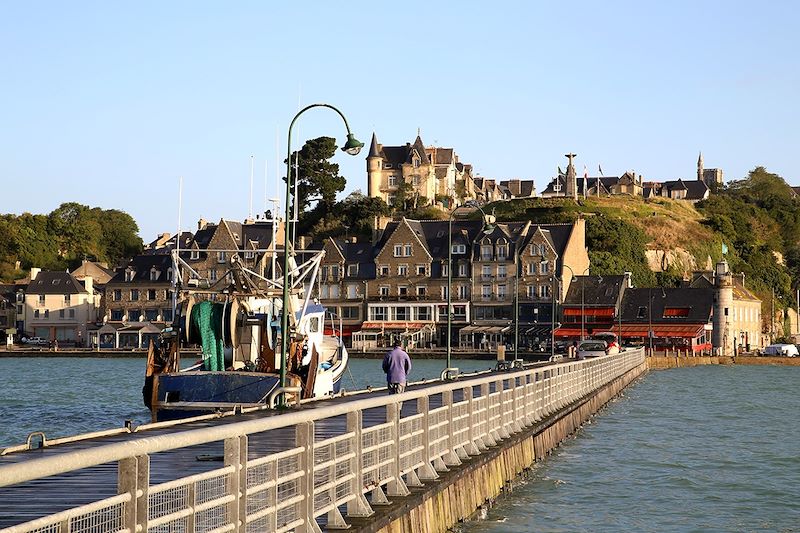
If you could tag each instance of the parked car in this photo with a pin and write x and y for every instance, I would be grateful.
(612, 346)
(785, 350)
(592, 348)
(35, 341)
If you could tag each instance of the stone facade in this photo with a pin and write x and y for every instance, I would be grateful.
(58, 307)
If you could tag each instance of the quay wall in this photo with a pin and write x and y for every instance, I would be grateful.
(663, 363)
(462, 491)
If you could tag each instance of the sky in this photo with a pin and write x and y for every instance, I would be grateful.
(112, 104)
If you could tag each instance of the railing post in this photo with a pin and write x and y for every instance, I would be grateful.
(396, 487)
(133, 476)
(488, 436)
(358, 506)
(235, 455)
(426, 472)
(304, 438)
(470, 448)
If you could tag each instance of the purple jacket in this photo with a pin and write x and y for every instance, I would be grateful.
(397, 365)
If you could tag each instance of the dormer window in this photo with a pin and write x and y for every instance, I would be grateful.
(130, 274)
(459, 249)
(154, 274)
(56, 281)
(352, 270)
(194, 254)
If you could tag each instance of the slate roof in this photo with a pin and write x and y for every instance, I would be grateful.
(360, 253)
(258, 234)
(699, 301)
(142, 264)
(597, 290)
(203, 236)
(55, 283)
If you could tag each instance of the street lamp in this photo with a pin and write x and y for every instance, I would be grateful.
(582, 292)
(488, 227)
(352, 147)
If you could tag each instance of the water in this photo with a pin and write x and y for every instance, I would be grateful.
(711, 448)
(67, 396)
(699, 449)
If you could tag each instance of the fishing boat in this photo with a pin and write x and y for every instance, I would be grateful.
(236, 322)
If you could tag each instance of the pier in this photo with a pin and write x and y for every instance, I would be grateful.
(369, 461)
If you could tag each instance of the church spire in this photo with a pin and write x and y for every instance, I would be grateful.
(700, 167)
(373, 147)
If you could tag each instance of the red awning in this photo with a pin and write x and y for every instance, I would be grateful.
(600, 312)
(691, 331)
(676, 311)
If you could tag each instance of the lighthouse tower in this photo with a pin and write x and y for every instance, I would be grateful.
(722, 342)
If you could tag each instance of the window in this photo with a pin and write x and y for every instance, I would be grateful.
(134, 314)
(334, 291)
(402, 270)
(486, 271)
(134, 295)
(462, 292)
(117, 295)
(445, 268)
(421, 270)
(423, 313)
(398, 250)
(19, 309)
(352, 292)
(323, 292)
(534, 249)
(387, 165)
(380, 313)
(352, 270)
(486, 252)
(383, 290)
(212, 274)
(416, 162)
(422, 290)
(501, 271)
(459, 249)
(402, 290)
(249, 255)
(47, 313)
(71, 313)
(350, 313)
(502, 251)
(460, 312)
(194, 254)
(462, 270)
(445, 290)
(383, 270)
(220, 257)
(61, 313)
(151, 294)
(486, 291)
(130, 274)
(642, 313)
(117, 314)
(35, 313)
(67, 299)
(151, 315)
(391, 199)
(407, 249)
(544, 267)
(402, 313)
(531, 269)
(313, 324)
(392, 180)
(501, 292)
(544, 291)
(154, 274)
(324, 272)
(531, 290)
(166, 314)
(41, 299)
(335, 272)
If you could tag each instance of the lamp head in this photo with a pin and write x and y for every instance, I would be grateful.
(353, 145)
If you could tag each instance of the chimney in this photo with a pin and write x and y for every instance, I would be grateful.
(201, 224)
(88, 283)
(627, 282)
(35, 272)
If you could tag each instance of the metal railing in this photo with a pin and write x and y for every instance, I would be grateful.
(356, 461)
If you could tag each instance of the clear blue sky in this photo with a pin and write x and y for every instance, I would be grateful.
(107, 104)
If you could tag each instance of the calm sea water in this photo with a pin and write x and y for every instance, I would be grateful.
(712, 448)
(703, 449)
(67, 396)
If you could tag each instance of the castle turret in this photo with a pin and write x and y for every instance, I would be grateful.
(374, 168)
(722, 342)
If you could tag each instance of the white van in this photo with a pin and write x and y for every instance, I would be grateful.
(785, 350)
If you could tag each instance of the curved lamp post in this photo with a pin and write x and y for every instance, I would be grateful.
(582, 287)
(352, 147)
(488, 227)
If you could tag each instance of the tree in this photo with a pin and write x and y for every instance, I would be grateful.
(318, 179)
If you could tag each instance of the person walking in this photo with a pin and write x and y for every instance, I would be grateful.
(396, 365)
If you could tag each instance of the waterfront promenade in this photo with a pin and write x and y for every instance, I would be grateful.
(324, 464)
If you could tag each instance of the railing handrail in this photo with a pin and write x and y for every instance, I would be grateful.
(20, 472)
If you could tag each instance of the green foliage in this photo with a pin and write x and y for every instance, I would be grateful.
(352, 216)
(318, 179)
(60, 240)
(617, 246)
